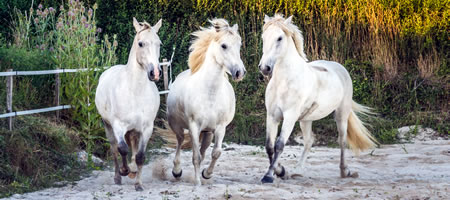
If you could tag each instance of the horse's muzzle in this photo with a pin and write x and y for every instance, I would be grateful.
(153, 73)
(266, 70)
(238, 75)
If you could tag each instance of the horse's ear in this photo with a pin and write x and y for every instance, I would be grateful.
(266, 18)
(157, 26)
(288, 20)
(136, 25)
(235, 27)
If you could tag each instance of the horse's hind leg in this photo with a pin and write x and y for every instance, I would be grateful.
(177, 171)
(114, 152)
(206, 141)
(308, 140)
(341, 118)
(217, 151)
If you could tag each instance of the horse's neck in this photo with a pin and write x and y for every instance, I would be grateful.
(210, 73)
(135, 73)
(291, 62)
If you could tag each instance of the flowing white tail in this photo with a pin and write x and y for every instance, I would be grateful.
(359, 137)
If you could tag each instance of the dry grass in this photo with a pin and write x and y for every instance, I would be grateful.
(428, 64)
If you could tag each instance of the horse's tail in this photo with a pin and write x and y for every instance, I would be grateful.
(170, 137)
(359, 137)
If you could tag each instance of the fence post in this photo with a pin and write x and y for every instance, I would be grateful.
(9, 94)
(57, 89)
(166, 77)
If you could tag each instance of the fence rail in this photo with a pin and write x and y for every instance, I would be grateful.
(167, 65)
(29, 112)
(56, 71)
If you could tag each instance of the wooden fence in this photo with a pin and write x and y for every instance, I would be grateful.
(166, 65)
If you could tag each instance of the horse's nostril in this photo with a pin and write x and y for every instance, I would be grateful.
(237, 73)
(152, 73)
(268, 68)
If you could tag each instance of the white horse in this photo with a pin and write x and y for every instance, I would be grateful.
(201, 99)
(305, 92)
(128, 100)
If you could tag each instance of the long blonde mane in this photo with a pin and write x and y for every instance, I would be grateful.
(204, 37)
(291, 30)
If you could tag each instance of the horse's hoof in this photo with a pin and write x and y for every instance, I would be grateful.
(138, 187)
(124, 171)
(282, 173)
(132, 175)
(118, 180)
(350, 175)
(203, 174)
(267, 179)
(177, 175)
(353, 175)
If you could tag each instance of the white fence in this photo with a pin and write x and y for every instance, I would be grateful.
(166, 65)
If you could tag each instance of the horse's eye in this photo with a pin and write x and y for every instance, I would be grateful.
(280, 38)
(224, 46)
(141, 44)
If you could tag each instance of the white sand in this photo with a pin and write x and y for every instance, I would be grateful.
(420, 172)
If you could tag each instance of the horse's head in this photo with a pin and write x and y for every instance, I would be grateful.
(147, 46)
(223, 43)
(278, 33)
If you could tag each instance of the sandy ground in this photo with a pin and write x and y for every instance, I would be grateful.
(409, 171)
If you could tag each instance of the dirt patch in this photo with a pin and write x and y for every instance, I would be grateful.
(404, 171)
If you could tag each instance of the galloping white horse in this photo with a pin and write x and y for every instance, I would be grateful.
(201, 99)
(305, 92)
(128, 100)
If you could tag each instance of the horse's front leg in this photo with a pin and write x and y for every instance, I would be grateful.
(132, 138)
(114, 151)
(196, 157)
(271, 134)
(122, 147)
(206, 141)
(140, 155)
(286, 129)
(217, 151)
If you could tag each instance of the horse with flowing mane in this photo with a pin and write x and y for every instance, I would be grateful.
(305, 91)
(128, 100)
(202, 99)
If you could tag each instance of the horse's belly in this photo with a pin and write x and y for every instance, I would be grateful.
(323, 107)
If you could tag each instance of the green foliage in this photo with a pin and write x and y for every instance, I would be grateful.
(66, 38)
(36, 154)
(29, 91)
(77, 46)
